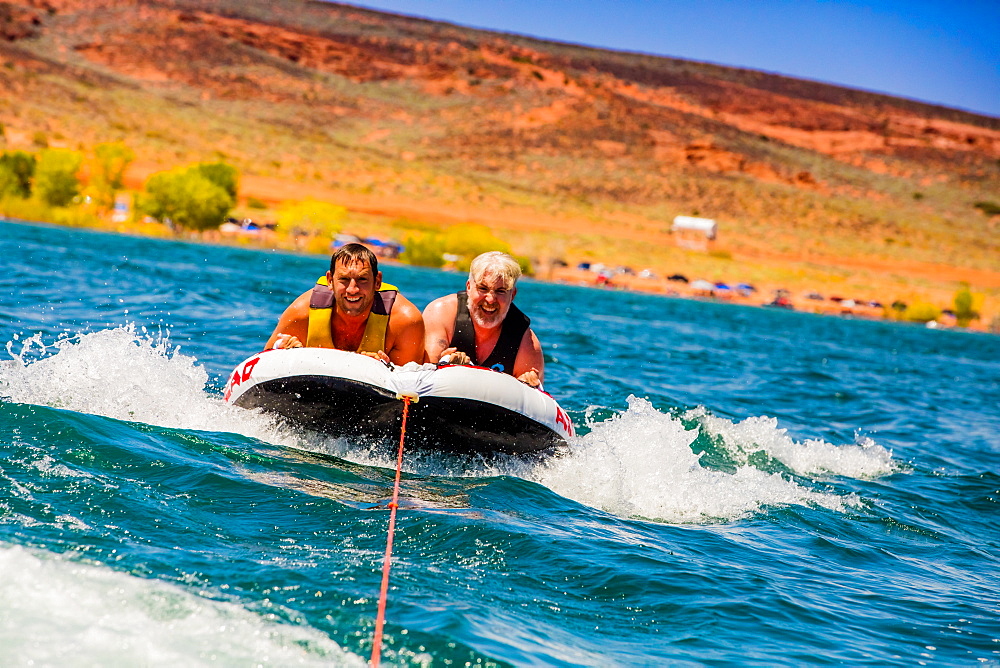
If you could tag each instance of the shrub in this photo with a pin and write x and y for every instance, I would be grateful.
(74, 216)
(187, 198)
(254, 203)
(25, 209)
(316, 245)
(424, 250)
(922, 312)
(469, 240)
(109, 165)
(56, 182)
(8, 182)
(965, 311)
(321, 218)
(465, 241)
(17, 169)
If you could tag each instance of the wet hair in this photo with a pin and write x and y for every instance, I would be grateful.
(495, 263)
(352, 253)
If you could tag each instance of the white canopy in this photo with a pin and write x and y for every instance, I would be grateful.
(706, 225)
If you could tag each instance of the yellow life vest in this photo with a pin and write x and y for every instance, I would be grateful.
(321, 313)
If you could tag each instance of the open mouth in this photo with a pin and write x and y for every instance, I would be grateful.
(353, 303)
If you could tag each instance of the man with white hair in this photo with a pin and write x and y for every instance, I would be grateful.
(481, 325)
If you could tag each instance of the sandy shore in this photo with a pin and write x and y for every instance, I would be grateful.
(807, 301)
(886, 280)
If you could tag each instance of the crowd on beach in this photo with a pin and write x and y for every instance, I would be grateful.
(593, 274)
(679, 285)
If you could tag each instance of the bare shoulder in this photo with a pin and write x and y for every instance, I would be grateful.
(300, 307)
(405, 311)
(442, 309)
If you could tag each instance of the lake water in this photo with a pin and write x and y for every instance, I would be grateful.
(748, 486)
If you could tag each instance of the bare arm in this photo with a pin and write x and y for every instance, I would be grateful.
(439, 323)
(405, 342)
(529, 365)
(294, 323)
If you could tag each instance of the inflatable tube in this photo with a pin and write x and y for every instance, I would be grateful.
(455, 408)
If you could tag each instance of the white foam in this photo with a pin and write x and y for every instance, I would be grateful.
(57, 612)
(636, 464)
(640, 464)
(127, 375)
(864, 459)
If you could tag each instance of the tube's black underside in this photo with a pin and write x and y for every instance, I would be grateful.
(341, 407)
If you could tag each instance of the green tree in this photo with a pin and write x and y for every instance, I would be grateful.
(17, 169)
(187, 198)
(56, 181)
(109, 165)
(222, 175)
(965, 311)
(8, 182)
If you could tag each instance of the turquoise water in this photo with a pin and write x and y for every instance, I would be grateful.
(749, 486)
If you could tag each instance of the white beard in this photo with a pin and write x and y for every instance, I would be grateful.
(483, 319)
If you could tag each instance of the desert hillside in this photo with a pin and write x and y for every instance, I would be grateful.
(569, 153)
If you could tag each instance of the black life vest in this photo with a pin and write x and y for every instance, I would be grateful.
(505, 351)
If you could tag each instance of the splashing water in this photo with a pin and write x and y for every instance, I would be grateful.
(145, 521)
(128, 375)
(639, 463)
(150, 623)
(866, 459)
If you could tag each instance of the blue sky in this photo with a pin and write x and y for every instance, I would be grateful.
(941, 52)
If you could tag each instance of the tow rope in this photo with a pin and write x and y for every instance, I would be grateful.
(393, 505)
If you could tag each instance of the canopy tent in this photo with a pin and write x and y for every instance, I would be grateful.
(706, 226)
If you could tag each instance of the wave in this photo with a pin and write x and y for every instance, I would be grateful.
(642, 462)
(102, 616)
(126, 374)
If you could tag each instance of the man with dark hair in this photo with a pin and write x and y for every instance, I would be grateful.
(481, 325)
(350, 309)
